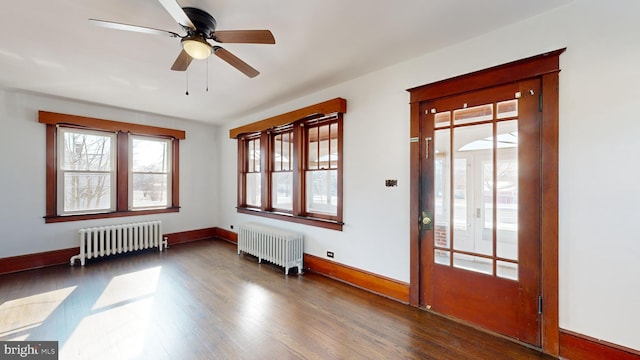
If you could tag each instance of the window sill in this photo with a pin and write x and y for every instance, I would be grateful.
(326, 224)
(66, 218)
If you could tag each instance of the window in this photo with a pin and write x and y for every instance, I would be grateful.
(150, 175)
(301, 179)
(101, 168)
(253, 184)
(86, 171)
(321, 171)
(282, 171)
(290, 166)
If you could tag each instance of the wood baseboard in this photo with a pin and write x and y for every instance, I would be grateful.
(574, 346)
(384, 286)
(37, 260)
(62, 256)
(227, 235)
(191, 235)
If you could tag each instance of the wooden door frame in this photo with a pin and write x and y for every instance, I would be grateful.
(546, 67)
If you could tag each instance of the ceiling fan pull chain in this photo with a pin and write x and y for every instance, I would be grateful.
(207, 90)
(186, 73)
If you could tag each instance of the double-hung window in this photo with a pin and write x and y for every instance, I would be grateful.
(292, 170)
(253, 174)
(102, 168)
(86, 171)
(321, 168)
(150, 175)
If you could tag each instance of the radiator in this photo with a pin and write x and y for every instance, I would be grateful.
(117, 239)
(277, 246)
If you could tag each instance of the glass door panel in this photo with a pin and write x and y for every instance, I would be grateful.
(442, 183)
(473, 195)
(507, 190)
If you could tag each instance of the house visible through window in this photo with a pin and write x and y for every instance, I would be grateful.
(101, 168)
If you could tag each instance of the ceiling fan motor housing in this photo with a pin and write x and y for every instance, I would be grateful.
(203, 22)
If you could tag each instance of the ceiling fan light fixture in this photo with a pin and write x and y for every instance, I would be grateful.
(196, 47)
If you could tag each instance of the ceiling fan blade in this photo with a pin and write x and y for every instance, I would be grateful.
(176, 12)
(127, 27)
(182, 62)
(235, 62)
(244, 36)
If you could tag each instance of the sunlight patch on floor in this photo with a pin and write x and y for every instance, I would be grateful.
(19, 316)
(118, 321)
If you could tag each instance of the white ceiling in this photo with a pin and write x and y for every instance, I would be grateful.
(50, 47)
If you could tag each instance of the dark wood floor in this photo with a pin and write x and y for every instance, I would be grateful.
(203, 301)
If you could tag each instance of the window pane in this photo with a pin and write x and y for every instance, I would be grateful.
(150, 181)
(312, 146)
(253, 189)
(254, 155)
(86, 192)
(150, 190)
(86, 151)
(282, 191)
(334, 151)
(282, 152)
(322, 192)
(150, 155)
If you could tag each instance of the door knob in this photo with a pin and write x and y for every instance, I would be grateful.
(425, 221)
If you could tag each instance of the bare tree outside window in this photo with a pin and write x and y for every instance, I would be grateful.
(86, 170)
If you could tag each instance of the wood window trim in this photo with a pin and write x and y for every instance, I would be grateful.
(546, 67)
(52, 120)
(331, 110)
(333, 106)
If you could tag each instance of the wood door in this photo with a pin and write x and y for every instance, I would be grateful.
(480, 208)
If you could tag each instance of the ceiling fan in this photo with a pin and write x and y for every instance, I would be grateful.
(200, 27)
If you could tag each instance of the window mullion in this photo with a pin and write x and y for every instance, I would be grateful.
(265, 170)
(298, 169)
(122, 171)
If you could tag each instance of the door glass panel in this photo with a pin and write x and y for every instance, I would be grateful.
(476, 189)
(507, 109)
(507, 270)
(507, 190)
(442, 185)
(442, 257)
(473, 194)
(473, 263)
(443, 119)
(473, 114)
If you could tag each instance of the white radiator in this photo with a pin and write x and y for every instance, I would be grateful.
(281, 247)
(117, 239)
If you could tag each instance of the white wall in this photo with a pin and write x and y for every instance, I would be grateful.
(22, 183)
(599, 171)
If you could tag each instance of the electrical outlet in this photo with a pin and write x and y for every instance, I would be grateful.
(330, 254)
(391, 183)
